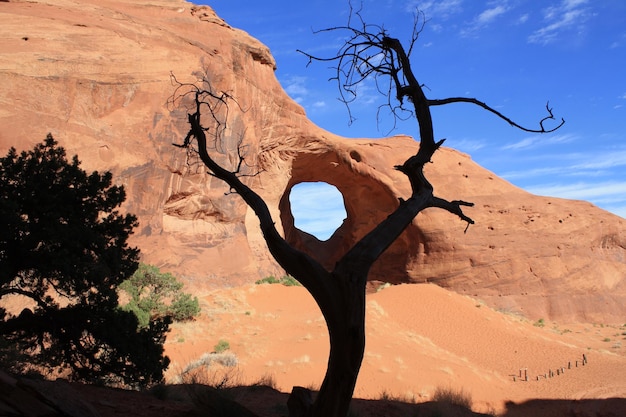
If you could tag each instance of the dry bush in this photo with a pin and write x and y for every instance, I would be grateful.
(449, 395)
(226, 359)
(214, 377)
(267, 380)
(217, 370)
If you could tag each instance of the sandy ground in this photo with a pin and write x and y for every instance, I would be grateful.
(419, 338)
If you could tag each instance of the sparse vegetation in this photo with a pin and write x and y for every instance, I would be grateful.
(286, 280)
(268, 280)
(267, 380)
(228, 360)
(453, 396)
(155, 294)
(217, 370)
(385, 396)
(221, 346)
(539, 323)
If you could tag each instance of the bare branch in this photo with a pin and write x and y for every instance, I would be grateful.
(453, 207)
(479, 103)
(297, 263)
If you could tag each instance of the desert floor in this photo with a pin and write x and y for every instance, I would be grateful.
(419, 338)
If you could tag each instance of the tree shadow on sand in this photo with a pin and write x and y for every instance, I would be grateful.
(609, 407)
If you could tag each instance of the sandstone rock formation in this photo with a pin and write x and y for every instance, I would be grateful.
(97, 75)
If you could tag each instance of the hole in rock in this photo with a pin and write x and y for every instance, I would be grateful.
(317, 208)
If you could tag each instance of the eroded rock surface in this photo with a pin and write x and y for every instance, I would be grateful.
(97, 75)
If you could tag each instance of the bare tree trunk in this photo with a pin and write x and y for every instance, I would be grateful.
(347, 346)
(340, 294)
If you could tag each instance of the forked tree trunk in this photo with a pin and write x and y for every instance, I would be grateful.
(340, 294)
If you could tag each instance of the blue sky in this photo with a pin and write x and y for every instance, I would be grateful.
(513, 54)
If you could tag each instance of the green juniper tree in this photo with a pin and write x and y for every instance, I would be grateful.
(64, 247)
(155, 294)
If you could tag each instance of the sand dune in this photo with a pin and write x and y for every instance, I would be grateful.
(419, 337)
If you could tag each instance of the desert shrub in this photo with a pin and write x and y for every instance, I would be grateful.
(458, 397)
(221, 346)
(227, 360)
(267, 380)
(217, 370)
(155, 294)
(289, 281)
(268, 280)
(286, 280)
(539, 323)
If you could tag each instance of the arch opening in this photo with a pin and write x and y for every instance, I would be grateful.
(317, 208)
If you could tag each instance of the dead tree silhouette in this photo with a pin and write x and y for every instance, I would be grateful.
(340, 292)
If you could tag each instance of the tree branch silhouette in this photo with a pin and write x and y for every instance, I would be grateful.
(340, 294)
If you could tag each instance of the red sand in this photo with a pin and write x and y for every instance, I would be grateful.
(419, 337)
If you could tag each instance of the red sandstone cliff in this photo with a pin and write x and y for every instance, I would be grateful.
(96, 74)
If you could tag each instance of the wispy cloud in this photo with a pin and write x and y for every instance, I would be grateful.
(295, 86)
(607, 164)
(523, 18)
(490, 15)
(600, 192)
(486, 17)
(610, 195)
(467, 145)
(536, 172)
(569, 14)
(440, 9)
(606, 160)
(537, 141)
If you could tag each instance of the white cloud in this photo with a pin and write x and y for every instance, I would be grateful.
(485, 18)
(438, 9)
(523, 18)
(295, 87)
(568, 165)
(535, 172)
(606, 160)
(490, 14)
(467, 145)
(572, 4)
(610, 195)
(568, 15)
(539, 140)
(598, 193)
(524, 143)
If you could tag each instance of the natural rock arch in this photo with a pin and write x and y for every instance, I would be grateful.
(367, 200)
